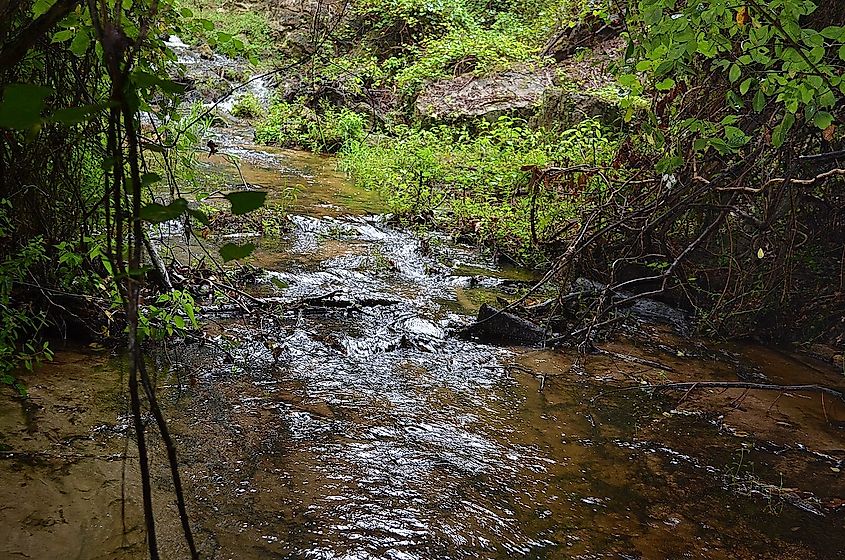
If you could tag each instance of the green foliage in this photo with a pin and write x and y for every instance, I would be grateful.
(295, 125)
(232, 33)
(247, 107)
(231, 251)
(244, 202)
(467, 49)
(19, 322)
(416, 41)
(172, 313)
(412, 19)
(475, 182)
(769, 58)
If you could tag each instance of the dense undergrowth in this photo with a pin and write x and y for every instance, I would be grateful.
(474, 182)
(467, 177)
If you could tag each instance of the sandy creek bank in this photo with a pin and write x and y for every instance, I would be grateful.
(367, 431)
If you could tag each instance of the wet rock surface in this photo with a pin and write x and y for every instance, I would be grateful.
(501, 327)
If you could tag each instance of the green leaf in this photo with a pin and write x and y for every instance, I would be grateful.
(745, 85)
(80, 44)
(759, 102)
(246, 201)
(735, 73)
(22, 105)
(62, 36)
(156, 213)
(150, 178)
(788, 121)
(189, 309)
(279, 283)
(40, 7)
(231, 252)
(833, 32)
(823, 119)
(199, 216)
(665, 85)
(842, 52)
(148, 80)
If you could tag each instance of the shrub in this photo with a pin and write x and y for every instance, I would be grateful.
(247, 107)
(294, 125)
(475, 182)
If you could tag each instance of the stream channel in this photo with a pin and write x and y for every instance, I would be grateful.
(360, 428)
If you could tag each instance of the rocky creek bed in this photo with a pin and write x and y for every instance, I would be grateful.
(359, 427)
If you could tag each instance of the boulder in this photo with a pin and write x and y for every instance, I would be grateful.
(562, 108)
(511, 92)
(500, 327)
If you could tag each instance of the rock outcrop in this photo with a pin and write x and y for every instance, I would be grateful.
(511, 92)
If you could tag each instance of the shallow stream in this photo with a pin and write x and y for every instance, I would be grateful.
(357, 427)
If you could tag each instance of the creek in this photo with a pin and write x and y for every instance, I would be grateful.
(368, 431)
(349, 422)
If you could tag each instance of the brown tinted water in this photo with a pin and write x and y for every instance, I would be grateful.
(367, 431)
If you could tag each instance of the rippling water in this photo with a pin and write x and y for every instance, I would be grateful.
(362, 429)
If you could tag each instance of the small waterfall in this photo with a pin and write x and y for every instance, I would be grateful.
(213, 75)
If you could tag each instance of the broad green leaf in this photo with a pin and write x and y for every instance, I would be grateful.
(759, 102)
(823, 119)
(788, 121)
(735, 73)
(199, 216)
(665, 85)
(231, 252)
(62, 36)
(246, 201)
(150, 178)
(80, 44)
(40, 7)
(148, 80)
(701, 144)
(156, 213)
(745, 85)
(22, 105)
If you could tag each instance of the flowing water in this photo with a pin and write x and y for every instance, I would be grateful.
(349, 422)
